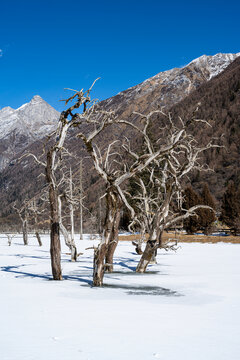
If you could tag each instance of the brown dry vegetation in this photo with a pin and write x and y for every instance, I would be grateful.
(189, 238)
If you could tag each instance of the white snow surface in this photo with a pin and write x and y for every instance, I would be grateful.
(185, 307)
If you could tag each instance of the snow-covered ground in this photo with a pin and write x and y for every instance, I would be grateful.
(186, 307)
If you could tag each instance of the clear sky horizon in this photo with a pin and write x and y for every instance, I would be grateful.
(46, 46)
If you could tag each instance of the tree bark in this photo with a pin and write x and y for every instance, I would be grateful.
(25, 232)
(150, 251)
(147, 256)
(98, 265)
(69, 242)
(138, 243)
(55, 247)
(38, 238)
(81, 199)
(113, 242)
(69, 239)
(110, 230)
(55, 251)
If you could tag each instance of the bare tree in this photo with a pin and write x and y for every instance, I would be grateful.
(66, 194)
(81, 197)
(10, 237)
(23, 215)
(33, 208)
(115, 174)
(160, 200)
(68, 118)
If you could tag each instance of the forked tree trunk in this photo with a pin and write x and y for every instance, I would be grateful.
(99, 258)
(25, 232)
(55, 247)
(138, 243)
(155, 236)
(113, 242)
(99, 264)
(147, 256)
(69, 242)
(69, 239)
(38, 238)
(138, 249)
(101, 252)
(150, 252)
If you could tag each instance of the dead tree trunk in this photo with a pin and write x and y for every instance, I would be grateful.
(69, 242)
(68, 118)
(148, 256)
(101, 253)
(81, 199)
(69, 239)
(34, 210)
(10, 237)
(139, 242)
(98, 264)
(38, 238)
(155, 226)
(25, 231)
(113, 242)
(23, 215)
(55, 247)
(71, 210)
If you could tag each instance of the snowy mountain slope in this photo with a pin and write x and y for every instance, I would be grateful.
(21, 127)
(165, 89)
(32, 121)
(171, 86)
(214, 64)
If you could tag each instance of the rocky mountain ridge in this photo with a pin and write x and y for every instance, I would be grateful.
(21, 127)
(32, 121)
(169, 87)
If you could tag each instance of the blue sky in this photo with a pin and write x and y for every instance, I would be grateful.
(47, 46)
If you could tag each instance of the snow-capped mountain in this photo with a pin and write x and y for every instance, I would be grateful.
(34, 120)
(165, 89)
(213, 65)
(21, 127)
(171, 86)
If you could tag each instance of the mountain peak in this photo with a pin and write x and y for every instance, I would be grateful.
(36, 99)
(214, 64)
(20, 127)
(6, 109)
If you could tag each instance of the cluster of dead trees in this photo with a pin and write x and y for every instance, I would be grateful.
(159, 172)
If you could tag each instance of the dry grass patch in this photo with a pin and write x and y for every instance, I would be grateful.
(188, 238)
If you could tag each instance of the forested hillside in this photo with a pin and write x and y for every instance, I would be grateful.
(220, 106)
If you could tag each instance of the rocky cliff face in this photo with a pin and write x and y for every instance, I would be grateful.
(169, 87)
(23, 126)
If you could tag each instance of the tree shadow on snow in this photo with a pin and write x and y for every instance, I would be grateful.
(77, 278)
(144, 290)
(19, 273)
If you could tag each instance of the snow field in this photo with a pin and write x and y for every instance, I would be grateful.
(186, 307)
